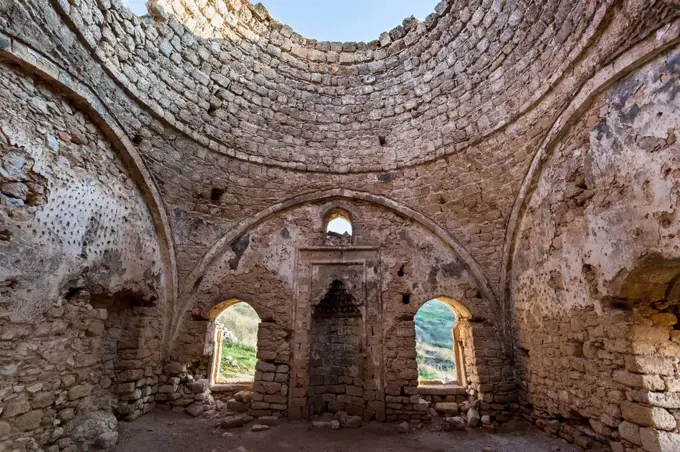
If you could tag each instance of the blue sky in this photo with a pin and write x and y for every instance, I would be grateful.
(337, 20)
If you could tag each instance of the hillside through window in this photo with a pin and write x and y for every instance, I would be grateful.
(236, 343)
(435, 351)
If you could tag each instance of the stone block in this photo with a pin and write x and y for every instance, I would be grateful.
(235, 421)
(354, 391)
(28, 421)
(656, 441)
(199, 386)
(277, 399)
(265, 367)
(244, 396)
(268, 420)
(260, 405)
(175, 368)
(4, 429)
(80, 391)
(16, 406)
(664, 319)
(473, 418)
(650, 364)
(454, 423)
(195, 409)
(235, 405)
(652, 382)
(647, 416)
(130, 375)
(670, 400)
(450, 408)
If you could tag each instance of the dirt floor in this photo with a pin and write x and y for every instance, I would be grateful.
(166, 431)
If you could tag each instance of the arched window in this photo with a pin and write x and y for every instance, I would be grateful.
(339, 222)
(438, 353)
(235, 354)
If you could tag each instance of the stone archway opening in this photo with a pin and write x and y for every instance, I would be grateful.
(645, 365)
(441, 326)
(338, 222)
(435, 344)
(235, 337)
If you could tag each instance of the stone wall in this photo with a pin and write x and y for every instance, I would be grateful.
(379, 264)
(417, 84)
(80, 304)
(198, 149)
(482, 172)
(594, 316)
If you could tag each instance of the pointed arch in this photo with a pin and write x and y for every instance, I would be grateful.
(664, 39)
(32, 62)
(224, 243)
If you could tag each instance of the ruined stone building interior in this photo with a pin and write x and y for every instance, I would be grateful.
(516, 161)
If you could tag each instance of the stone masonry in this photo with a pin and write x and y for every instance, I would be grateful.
(514, 159)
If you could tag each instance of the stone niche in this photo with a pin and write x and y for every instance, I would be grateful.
(338, 358)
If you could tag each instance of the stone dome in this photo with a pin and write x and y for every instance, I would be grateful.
(238, 78)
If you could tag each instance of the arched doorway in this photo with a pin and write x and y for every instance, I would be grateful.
(235, 341)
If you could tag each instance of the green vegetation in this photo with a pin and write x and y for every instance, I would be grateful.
(238, 362)
(434, 342)
(239, 325)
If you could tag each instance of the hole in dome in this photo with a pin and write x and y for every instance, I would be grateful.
(72, 292)
(382, 140)
(216, 194)
(349, 20)
(212, 110)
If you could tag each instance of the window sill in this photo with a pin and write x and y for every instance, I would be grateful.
(232, 387)
(442, 389)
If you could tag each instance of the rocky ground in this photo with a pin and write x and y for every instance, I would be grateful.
(168, 431)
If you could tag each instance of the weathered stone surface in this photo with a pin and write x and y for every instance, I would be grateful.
(95, 428)
(473, 418)
(580, 352)
(648, 416)
(447, 408)
(199, 386)
(268, 420)
(454, 423)
(653, 382)
(175, 368)
(244, 396)
(519, 160)
(5, 428)
(353, 422)
(656, 441)
(195, 409)
(28, 421)
(236, 421)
